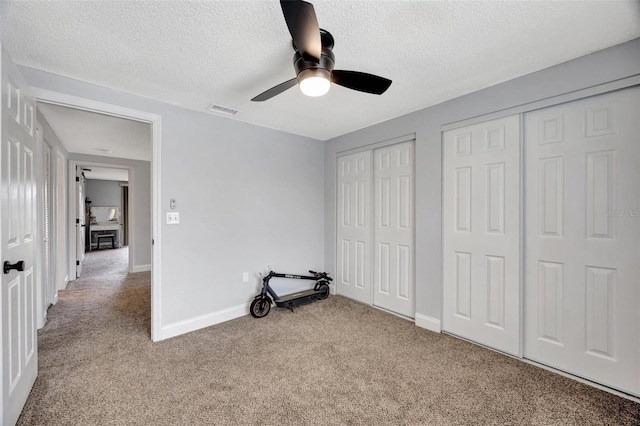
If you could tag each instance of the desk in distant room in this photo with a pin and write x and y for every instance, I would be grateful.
(98, 228)
(104, 220)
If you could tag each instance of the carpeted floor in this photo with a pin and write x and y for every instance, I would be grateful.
(331, 362)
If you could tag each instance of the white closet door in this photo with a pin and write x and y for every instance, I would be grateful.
(582, 272)
(481, 250)
(354, 226)
(46, 247)
(394, 286)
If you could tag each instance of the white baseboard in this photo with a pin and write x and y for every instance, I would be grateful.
(186, 326)
(429, 323)
(66, 283)
(140, 268)
(44, 320)
(55, 299)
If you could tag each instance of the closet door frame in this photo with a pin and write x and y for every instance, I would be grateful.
(372, 147)
(613, 86)
(544, 103)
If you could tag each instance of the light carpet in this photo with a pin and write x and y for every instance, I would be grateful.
(328, 363)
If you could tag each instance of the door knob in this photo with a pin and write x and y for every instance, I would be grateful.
(18, 266)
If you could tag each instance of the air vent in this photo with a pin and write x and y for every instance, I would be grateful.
(219, 109)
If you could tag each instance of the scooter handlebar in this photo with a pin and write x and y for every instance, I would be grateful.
(320, 274)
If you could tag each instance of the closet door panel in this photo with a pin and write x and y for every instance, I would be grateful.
(394, 286)
(582, 208)
(481, 248)
(354, 226)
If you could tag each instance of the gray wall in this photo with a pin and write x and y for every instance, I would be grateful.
(104, 193)
(140, 199)
(605, 66)
(248, 196)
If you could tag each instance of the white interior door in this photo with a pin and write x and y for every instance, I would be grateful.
(42, 261)
(394, 285)
(46, 226)
(49, 278)
(481, 247)
(582, 248)
(80, 225)
(18, 230)
(354, 226)
(60, 209)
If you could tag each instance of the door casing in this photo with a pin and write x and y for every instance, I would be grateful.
(155, 121)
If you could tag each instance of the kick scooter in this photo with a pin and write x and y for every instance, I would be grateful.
(262, 303)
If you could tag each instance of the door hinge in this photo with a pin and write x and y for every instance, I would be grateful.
(77, 178)
(77, 263)
(152, 241)
(77, 221)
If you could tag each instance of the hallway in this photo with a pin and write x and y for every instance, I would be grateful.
(94, 322)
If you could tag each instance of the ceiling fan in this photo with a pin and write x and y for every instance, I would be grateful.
(313, 60)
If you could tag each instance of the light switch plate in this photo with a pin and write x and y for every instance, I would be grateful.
(173, 218)
(245, 277)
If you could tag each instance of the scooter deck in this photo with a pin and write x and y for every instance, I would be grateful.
(298, 298)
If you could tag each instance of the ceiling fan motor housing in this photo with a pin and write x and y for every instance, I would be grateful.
(323, 68)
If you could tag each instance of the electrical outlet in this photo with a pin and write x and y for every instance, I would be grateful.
(173, 218)
(245, 277)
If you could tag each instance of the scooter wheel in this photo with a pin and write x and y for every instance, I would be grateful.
(324, 291)
(260, 308)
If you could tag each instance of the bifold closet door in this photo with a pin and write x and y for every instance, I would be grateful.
(394, 286)
(354, 226)
(481, 248)
(582, 252)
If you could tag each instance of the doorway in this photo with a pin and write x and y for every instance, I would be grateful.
(151, 174)
(101, 213)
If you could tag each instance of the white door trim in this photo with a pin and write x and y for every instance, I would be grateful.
(380, 144)
(155, 120)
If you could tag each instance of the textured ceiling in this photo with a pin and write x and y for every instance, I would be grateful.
(90, 133)
(106, 173)
(226, 52)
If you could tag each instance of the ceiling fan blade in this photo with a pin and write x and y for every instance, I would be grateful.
(276, 90)
(361, 81)
(303, 26)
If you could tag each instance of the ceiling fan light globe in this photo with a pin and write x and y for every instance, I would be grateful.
(315, 86)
